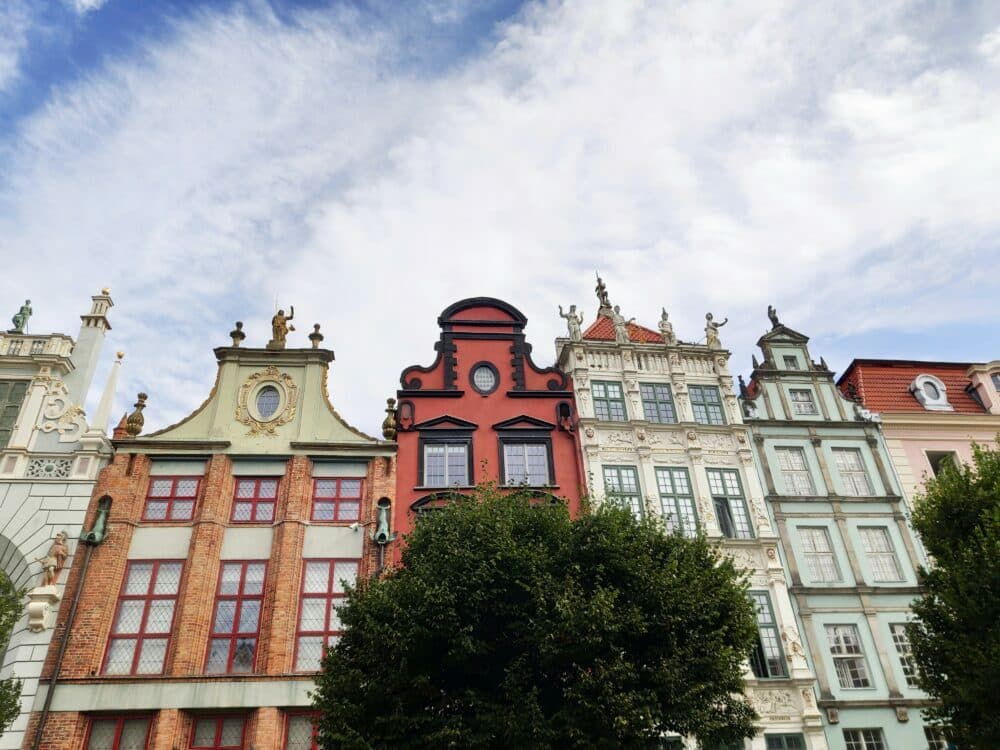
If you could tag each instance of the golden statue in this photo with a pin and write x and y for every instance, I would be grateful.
(280, 328)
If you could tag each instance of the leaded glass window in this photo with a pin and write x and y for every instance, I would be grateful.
(802, 402)
(236, 622)
(123, 733)
(901, 640)
(795, 471)
(609, 401)
(621, 485)
(852, 472)
(268, 400)
(677, 500)
(324, 585)
(818, 552)
(144, 619)
(848, 658)
(706, 404)
(881, 554)
(766, 660)
(657, 402)
(301, 733)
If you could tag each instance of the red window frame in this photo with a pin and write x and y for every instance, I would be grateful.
(140, 636)
(119, 722)
(327, 596)
(234, 635)
(338, 513)
(171, 499)
(219, 720)
(255, 501)
(288, 728)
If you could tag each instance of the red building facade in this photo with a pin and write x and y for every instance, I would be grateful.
(483, 411)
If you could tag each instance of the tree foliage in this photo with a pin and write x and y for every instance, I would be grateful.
(10, 613)
(511, 625)
(956, 637)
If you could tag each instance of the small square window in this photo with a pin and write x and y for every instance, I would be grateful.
(171, 498)
(864, 739)
(657, 403)
(939, 459)
(217, 733)
(609, 401)
(706, 404)
(803, 403)
(301, 732)
(254, 500)
(125, 733)
(446, 464)
(791, 362)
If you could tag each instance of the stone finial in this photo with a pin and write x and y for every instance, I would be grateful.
(135, 421)
(237, 334)
(772, 314)
(602, 297)
(316, 337)
(20, 319)
(389, 427)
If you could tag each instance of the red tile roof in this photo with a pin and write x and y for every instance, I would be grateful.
(884, 385)
(603, 329)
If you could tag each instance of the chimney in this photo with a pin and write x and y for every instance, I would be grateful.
(88, 347)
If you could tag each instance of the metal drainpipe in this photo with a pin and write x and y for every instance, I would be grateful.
(91, 539)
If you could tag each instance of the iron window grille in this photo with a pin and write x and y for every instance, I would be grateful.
(232, 646)
(254, 500)
(144, 618)
(852, 472)
(609, 401)
(901, 640)
(11, 397)
(121, 733)
(677, 504)
(218, 732)
(802, 402)
(171, 498)
(706, 404)
(864, 739)
(526, 462)
(818, 552)
(301, 732)
(795, 471)
(336, 500)
(766, 660)
(848, 658)
(323, 590)
(657, 403)
(881, 554)
(730, 507)
(621, 486)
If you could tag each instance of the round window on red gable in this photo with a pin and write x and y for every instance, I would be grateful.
(485, 378)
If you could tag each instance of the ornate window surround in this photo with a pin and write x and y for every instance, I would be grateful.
(931, 404)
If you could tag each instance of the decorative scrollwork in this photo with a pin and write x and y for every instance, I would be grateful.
(285, 385)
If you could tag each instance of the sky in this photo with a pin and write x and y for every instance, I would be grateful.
(371, 162)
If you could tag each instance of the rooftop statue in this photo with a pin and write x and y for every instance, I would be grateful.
(20, 319)
(773, 315)
(621, 325)
(712, 331)
(602, 297)
(280, 328)
(573, 322)
(666, 327)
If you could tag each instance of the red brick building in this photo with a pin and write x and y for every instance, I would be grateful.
(483, 411)
(230, 537)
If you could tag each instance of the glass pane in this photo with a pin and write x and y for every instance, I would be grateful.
(218, 655)
(350, 488)
(254, 582)
(242, 511)
(349, 511)
(151, 656)
(160, 487)
(249, 616)
(102, 735)
(182, 510)
(309, 654)
(457, 465)
(186, 488)
(245, 487)
(243, 654)
(322, 511)
(139, 577)
(133, 735)
(313, 614)
(300, 731)
(265, 512)
(156, 510)
(160, 616)
(168, 578)
(325, 488)
(232, 732)
(129, 617)
(230, 582)
(120, 653)
(335, 605)
(204, 733)
(514, 462)
(317, 577)
(434, 465)
(268, 488)
(225, 616)
(344, 573)
(268, 399)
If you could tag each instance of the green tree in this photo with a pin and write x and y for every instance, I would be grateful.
(956, 636)
(509, 625)
(10, 613)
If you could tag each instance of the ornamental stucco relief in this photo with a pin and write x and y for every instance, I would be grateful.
(270, 375)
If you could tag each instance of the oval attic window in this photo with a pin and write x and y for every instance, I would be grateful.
(484, 379)
(268, 400)
(931, 390)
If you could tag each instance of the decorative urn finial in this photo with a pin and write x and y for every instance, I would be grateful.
(389, 424)
(237, 334)
(316, 337)
(135, 421)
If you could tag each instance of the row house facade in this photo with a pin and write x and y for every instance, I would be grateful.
(51, 452)
(662, 433)
(483, 411)
(930, 412)
(219, 549)
(849, 554)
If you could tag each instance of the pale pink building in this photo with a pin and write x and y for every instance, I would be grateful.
(931, 412)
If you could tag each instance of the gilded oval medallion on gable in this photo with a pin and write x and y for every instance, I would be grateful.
(267, 400)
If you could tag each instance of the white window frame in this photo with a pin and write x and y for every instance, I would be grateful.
(522, 445)
(864, 739)
(928, 402)
(446, 445)
(881, 554)
(907, 664)
(797, 479)
(799, 404)
(822, 563)
(849, 660)
(854, 478)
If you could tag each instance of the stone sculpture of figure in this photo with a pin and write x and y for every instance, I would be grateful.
(621, 325)
(54, 560)
(573, 322)
(602, 294)
(666, 327)
(20, 319)
(712, 331)
(773, 315)
(280, 328)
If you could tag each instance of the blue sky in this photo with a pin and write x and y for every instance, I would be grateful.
(371, 162)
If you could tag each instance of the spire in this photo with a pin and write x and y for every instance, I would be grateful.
(87, 349)
(103, 413)
(602, 298)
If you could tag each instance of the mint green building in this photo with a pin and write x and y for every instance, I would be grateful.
(848, 552)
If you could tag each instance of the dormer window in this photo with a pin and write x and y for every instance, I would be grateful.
(995, 377)
(791, 362)
(931, 393)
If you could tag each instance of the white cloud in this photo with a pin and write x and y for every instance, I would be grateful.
(15, 20)
(701, 157)
(989, 46)
(86, 6)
